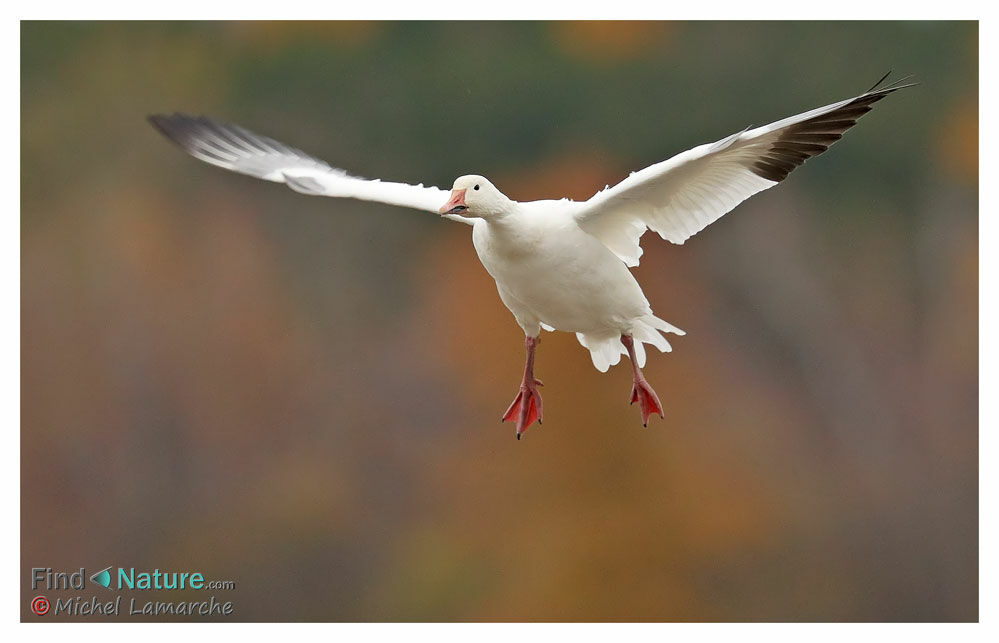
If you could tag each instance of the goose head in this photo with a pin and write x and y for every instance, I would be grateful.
(474, 196)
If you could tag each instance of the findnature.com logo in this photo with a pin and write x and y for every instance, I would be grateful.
(122, 579)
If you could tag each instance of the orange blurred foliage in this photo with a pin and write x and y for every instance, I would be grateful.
(608, 42)
(957, 141)
(575, 174)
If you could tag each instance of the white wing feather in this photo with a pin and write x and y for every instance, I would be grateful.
(681, 196)
(237, 149)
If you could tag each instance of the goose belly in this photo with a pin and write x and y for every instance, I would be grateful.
(569, 281)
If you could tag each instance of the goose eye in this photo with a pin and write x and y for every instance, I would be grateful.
(476, 186)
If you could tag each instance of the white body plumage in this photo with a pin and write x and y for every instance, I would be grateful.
(552, 274)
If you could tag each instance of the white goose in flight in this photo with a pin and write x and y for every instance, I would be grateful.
(563, 265)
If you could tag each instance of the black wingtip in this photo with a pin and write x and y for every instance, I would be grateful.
(162, 120)
(875, 85)
(893, 86)
(176, 127)
(157, 120)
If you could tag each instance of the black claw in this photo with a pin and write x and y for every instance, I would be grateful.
(518, 436)
(644, 425)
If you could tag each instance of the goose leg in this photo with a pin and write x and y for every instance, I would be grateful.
(641, 392)
(527, 407)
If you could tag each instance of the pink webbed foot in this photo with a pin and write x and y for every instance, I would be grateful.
(526, 407)
(641, 392)
(647, 400)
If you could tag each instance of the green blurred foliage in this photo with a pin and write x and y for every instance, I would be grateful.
(302, 394)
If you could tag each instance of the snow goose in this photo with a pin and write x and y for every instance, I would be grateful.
(563, 265)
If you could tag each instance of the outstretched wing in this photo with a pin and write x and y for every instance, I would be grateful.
(240, 150)
(681, 196)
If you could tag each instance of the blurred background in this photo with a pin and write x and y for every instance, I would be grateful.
(303, 394)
